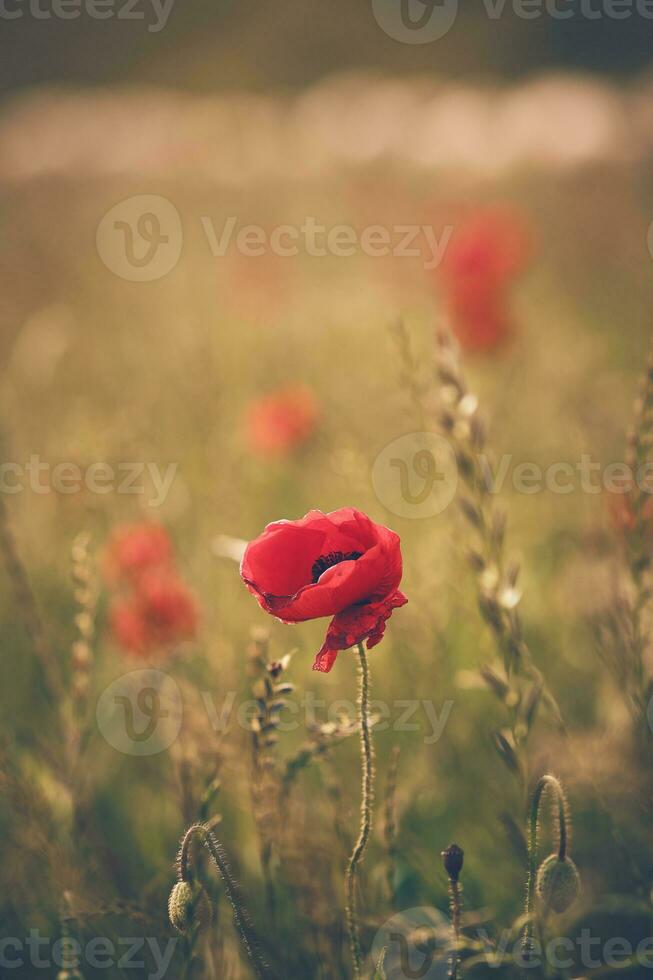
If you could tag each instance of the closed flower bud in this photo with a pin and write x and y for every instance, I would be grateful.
(558, 883)
(188, 906)
(453, 861)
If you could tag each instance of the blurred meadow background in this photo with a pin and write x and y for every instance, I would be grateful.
(267, 385)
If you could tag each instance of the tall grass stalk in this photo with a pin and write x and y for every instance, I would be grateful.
(513, 676)
(638, 546)
(270, 690)
(27, 605)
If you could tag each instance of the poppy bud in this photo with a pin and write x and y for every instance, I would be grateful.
(188, 907)
(558, 883)
(453, 858)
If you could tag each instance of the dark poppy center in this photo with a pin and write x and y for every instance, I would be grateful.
(333, 558)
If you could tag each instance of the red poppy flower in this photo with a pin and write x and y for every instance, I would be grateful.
(279, 422)
(340, 564)
(161, 612)
(135, 549)
(624, 516)
(488, 251)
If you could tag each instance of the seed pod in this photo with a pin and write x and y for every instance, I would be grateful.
(558, 883)
(453, 861)
(189, 907)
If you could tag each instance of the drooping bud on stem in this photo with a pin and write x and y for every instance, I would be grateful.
(557, 882)
(186, 900)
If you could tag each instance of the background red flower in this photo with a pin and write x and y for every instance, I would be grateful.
(155, 609)
(281, 421)
(161, 612)
(134, 549)
(489, 249)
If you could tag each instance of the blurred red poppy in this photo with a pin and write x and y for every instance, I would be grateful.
(623, 514)
(134, 549)
(160, 613)
(340, 564)
(281, 421)
(488, 251)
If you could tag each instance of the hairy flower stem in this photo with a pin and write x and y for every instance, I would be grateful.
(453, 858)
(544, 783)
(390, 827)
(242, 918)
(367, 799)
(455, 909)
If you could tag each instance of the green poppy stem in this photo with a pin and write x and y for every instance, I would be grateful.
(367, 798)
